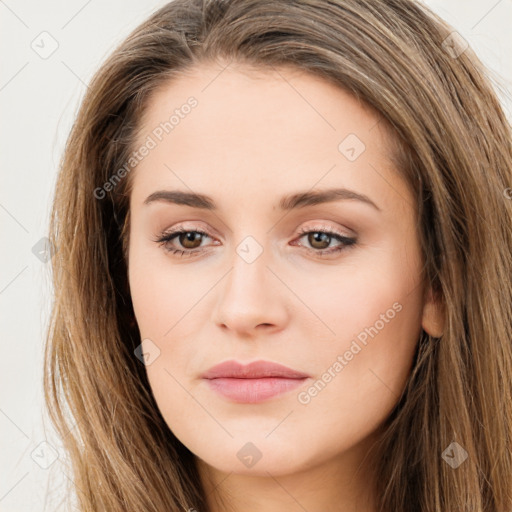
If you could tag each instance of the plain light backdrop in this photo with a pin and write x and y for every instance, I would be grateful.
(39, 96)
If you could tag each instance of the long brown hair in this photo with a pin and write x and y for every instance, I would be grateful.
(455, 152)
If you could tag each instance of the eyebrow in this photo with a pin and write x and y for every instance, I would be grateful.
(290, 202)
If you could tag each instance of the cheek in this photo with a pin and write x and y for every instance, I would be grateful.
(165, 302)
(375, 311)
(170, 304)
(161, 294)
(363, 373)
(372, 294)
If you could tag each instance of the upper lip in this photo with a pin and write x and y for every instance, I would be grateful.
(254, 370)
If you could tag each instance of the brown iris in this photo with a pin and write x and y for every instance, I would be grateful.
(316, 237)
(189, 238)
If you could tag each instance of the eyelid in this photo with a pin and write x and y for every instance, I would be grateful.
(327, 228)
(186, 226)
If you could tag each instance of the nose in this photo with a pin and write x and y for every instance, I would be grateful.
(251, 299)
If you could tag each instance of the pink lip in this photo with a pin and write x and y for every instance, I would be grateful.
(254, 382)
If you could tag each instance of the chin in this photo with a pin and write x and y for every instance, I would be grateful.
(256, 458)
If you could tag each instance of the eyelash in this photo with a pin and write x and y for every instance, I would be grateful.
(166, 237)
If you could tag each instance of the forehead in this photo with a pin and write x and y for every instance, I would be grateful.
(266, 98)
(258, 127)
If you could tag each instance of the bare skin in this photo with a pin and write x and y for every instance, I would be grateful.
(252, 139)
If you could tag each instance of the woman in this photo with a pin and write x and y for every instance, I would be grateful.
(283, 266)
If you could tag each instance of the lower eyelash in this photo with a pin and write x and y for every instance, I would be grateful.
(346, 242)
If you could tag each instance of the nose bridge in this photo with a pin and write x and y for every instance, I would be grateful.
(248, 298)
(247, 279)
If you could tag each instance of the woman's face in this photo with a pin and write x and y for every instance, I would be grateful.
(343, 309)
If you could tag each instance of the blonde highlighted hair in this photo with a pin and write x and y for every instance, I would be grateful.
(454, 149)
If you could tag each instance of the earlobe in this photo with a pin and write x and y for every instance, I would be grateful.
(433, 315)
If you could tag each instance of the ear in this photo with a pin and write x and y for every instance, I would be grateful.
(433, 314)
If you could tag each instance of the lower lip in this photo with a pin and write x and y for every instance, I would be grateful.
(251, 391)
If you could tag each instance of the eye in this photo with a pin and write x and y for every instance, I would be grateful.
(320, 239)
(190, 240)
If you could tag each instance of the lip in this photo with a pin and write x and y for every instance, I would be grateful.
(254, 382)
(254, 370)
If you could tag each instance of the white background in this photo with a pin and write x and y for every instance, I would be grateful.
(38, 101)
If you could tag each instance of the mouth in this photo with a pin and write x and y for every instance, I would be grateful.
(252, 383)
